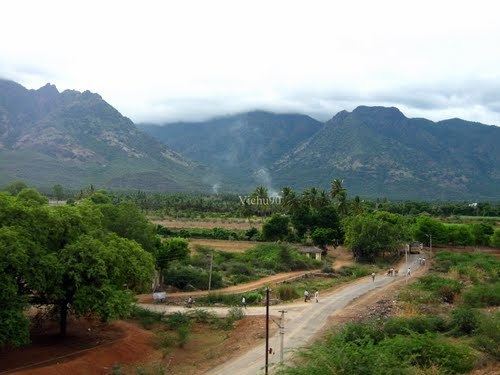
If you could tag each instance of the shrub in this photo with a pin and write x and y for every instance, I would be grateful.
(488, 335)
(427, 350)
(464, 320)
(187, 277)
(482, 295)
(225, 299)
(177, 319)
(287, 292)
(202, 316)
(183, 333)
(235, 313)
(495, 238)
(361, 332)
(416, 324)
(445, 289)
(253, 297)
(164, 340)
(278, 257)
(145, 317)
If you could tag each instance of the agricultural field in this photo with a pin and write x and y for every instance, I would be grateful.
(221, 245)
(235, 223)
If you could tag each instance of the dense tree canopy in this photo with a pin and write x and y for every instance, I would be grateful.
(77, 258)
(372, 235)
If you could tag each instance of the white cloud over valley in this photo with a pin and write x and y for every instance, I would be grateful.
(163, 61)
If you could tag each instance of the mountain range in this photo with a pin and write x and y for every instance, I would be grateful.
(377, 151)
(76, 138)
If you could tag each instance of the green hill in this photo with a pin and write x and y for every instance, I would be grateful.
(76, 138)
(380, 152)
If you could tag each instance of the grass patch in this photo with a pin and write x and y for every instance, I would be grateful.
(482, 295)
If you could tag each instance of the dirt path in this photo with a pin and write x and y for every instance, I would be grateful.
(234, 289)
(303, 323)
(342, 259)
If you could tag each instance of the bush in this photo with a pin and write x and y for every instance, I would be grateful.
(495, 239)
(287, 292)
(235, 313)
(488, 335)
(482, 295)
(416, 324)
(253, 297)
(464, 321)
(427, 350)
(277, 227)
(360, 333)
(145, 317)
(183, 333)
(445, 289)
(177, 319)
(278, 257)
(202, 316)
(187, 277)
(485, 266)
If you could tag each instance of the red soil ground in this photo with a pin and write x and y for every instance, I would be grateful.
(89, 348)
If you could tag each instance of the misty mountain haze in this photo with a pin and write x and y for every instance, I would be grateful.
(378, 151)
(76, 138)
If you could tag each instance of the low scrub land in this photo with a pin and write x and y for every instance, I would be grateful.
(235, 268)
(448, 323)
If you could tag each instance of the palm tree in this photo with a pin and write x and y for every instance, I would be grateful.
(262, 196)
(336, 188)
(288, 198)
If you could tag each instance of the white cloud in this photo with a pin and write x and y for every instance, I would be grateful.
(171, 60)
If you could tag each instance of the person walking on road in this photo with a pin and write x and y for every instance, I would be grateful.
(244, 302)
(408, 272)
(373, 276)
(306, 295)
(316, 296)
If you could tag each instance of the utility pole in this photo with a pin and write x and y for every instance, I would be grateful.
(407, 248)
(210, 272)
(267, 332)
(282, 334)
(430, 245)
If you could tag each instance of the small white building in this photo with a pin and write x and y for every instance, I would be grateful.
(312, 252)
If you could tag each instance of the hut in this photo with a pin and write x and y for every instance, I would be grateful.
(312, 252)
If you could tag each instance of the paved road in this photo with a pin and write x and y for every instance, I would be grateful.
(302, 322)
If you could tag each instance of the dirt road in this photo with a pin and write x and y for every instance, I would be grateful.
(303, 322)
(234, 289)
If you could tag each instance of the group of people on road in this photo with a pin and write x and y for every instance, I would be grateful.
(307, 296)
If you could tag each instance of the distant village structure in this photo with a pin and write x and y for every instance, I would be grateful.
(312, 252)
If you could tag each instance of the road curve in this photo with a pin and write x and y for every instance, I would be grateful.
(302, 322)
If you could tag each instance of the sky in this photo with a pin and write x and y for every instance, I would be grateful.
(162, 61)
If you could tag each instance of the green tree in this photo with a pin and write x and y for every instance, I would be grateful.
(172, 249)
(15, 187)
(91, 274)
(460, 235)
(481, 233)
(426, 226)
(58, 192)
(369, 236)
(64, 257)
(277, 227)
(325, 236)
(495, 239)
(32, 196)
(14, 260)
(126, 220)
